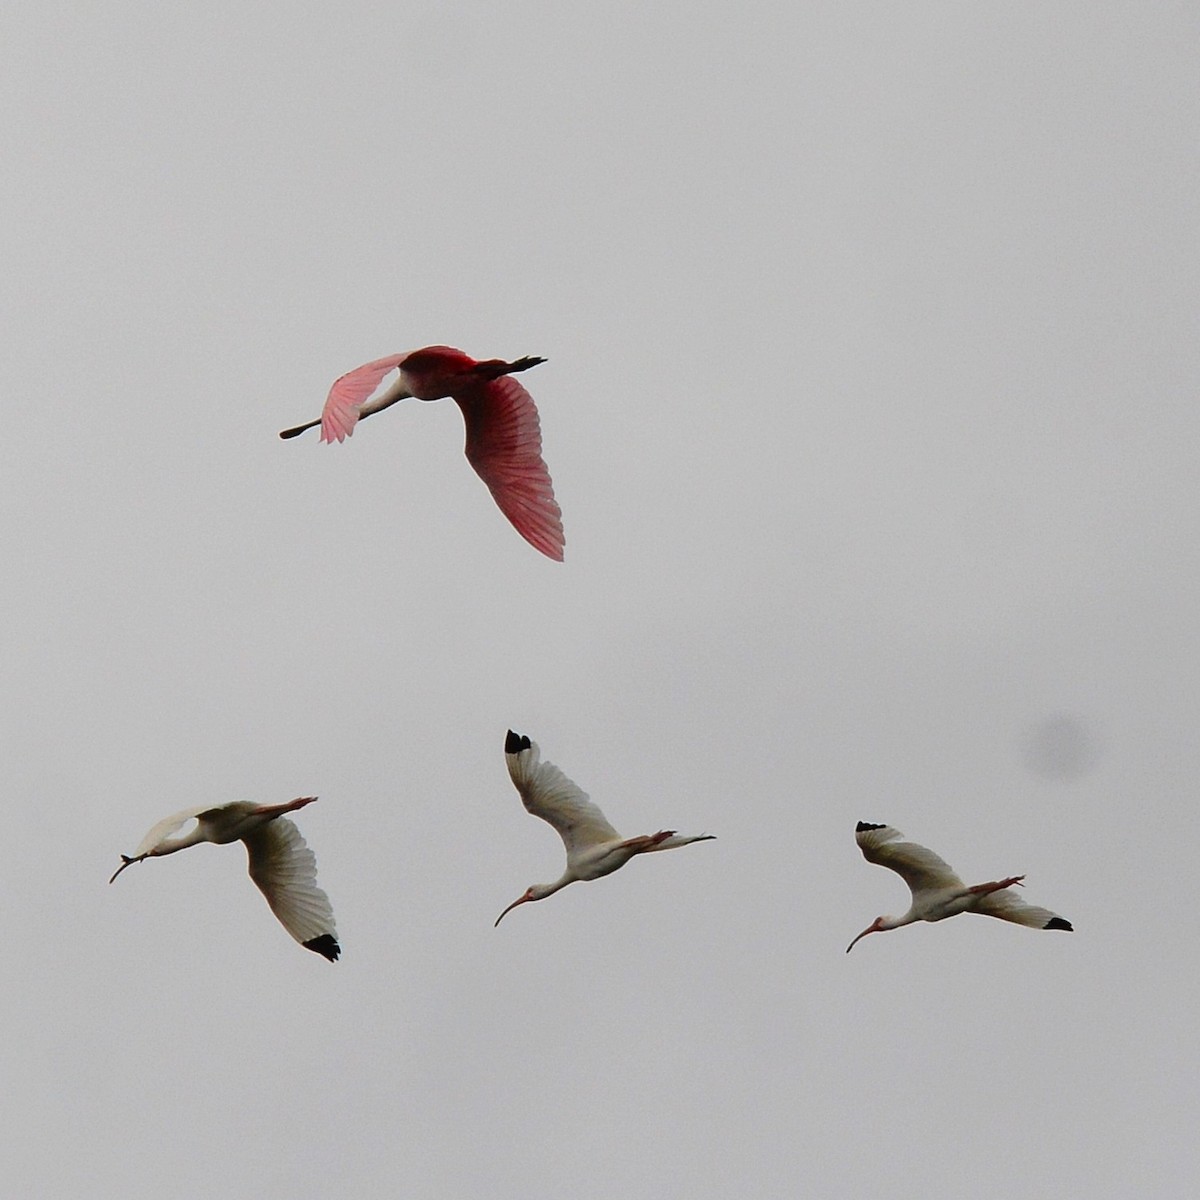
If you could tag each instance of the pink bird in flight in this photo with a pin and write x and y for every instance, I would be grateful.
(504, 439)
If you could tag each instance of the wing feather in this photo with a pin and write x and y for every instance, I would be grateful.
(1008, 906)
(920, 868)
(346, 397)
(504, 445)
(285, 871)
(547, 793)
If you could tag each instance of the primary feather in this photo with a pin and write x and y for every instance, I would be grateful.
(547, 793)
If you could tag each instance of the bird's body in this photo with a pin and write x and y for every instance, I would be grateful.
(504, 440)
(280, 862)
(937, 892)
(594, 848)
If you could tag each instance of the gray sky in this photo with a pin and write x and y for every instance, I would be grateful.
(870, 406)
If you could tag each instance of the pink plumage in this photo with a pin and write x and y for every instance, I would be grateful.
(504, 445)
(340, 414)
(504, 440)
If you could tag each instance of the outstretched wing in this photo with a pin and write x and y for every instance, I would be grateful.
(346, 397)
(920, 868)
(547, 793)
(285, 870)
(1009, 906)
(504, 445)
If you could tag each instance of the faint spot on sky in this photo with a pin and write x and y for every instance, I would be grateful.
(1060, 747)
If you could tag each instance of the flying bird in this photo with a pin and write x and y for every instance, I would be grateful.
(504, 439)
(594, 847)
(937, 892)
(281, 864)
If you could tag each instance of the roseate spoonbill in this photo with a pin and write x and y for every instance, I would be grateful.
(281, 864)
(937, 892)
(504, 439)
(594, 847)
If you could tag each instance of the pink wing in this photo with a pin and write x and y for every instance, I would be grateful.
(504, 445)
(340, 414)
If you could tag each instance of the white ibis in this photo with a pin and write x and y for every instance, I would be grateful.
(504, 439)
(281, 864)
(594, 847)
(937, 892)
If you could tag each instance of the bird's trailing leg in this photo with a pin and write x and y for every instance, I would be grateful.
(648, 841)
(493, 368)
(984, 889)
(271, 811)
(125, 862)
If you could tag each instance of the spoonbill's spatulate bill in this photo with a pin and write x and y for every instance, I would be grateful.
(594, 847)
(937, 892)
(281, 864)
(504, 439)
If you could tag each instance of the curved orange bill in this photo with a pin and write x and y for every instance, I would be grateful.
(872, 928)
(519, 900)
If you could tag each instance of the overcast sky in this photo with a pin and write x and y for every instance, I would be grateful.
(871, 409)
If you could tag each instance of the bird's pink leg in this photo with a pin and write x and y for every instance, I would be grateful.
(277, 810)
(647, 841)
(983, 889)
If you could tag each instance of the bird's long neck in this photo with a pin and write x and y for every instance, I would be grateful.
(170, 845)
(543, 890)
(397, 392)
(899, 922)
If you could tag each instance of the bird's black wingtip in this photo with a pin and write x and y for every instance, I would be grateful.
(515, 743)
(1059, 923)
(866, 827)
(325, 945)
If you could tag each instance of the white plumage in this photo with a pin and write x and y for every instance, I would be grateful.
(937, 892)
(594, 848)
(280, 862)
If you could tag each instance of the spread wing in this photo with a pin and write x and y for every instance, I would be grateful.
(547, 793)
(1008, 906)
(504, 445)
(920, 868)
(346, 397)
(285, 870)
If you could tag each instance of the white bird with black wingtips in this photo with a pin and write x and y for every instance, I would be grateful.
(281, 864)
(594, 847)
(937, 892)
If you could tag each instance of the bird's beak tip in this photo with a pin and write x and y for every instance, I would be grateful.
(859, 938)
(509, 909)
